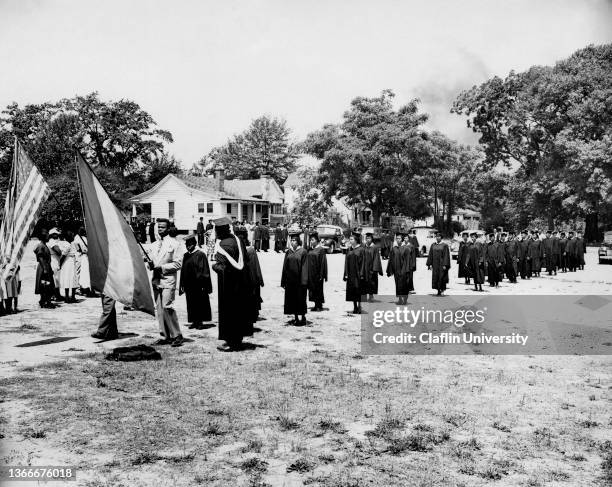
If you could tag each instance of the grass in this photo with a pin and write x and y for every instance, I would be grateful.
(328, 419)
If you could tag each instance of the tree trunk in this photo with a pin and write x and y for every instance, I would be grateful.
(591, 231)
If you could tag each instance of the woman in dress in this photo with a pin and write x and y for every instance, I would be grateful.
(67, 275)
(44, 286)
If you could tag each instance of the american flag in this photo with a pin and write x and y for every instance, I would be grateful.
(26, 194)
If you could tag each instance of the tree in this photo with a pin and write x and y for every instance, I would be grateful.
(118, 138)
(310, 206)
(264, 148)
(555, 123)
(372, 156)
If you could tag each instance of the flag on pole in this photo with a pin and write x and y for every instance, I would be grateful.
(26, 194)
(115, 260)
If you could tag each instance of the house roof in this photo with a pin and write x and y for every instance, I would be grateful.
(233, 189)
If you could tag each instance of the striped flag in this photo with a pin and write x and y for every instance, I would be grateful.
(26, 194)
(115, 260)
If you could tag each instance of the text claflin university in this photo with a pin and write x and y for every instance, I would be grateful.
(449, 338)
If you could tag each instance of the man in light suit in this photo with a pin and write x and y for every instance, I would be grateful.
(166, 259)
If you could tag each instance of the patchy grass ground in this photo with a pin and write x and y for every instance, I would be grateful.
(303, 407)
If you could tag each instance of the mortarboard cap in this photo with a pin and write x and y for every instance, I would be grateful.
(219, 222)
(190, 238)
(473, 234)
(369, 234)
(314, 235)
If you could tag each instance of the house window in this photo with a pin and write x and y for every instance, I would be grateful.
(229, 208)
(200, 207)
(209, 207)
(171, 209)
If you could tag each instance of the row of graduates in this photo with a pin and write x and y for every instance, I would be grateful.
(511, 255)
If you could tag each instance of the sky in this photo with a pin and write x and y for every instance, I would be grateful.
(205, 69)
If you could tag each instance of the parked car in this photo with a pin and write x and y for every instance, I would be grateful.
(454, 245)
(331, 237)
(605, 251)
(375, 231)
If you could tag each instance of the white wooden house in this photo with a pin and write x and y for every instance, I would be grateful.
(184, 199)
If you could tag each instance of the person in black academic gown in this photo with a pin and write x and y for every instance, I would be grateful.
(398, 267)
(535, 253)
(462, 257)
(373, 267)
(256, 278)
(562, 252)
(233, 287)
(317, 271)
(44, 285)
(548, 253)
(493, 263)
(410, 255)
(294, 280)
(511, 250)
(355, 272)
(438, 260)
(278, 239)
(571, 252)
(196, 284)
(265, 238)
(476, 262)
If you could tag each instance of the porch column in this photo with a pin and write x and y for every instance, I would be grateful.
(240, 211)
(254, 212)
(134, 210)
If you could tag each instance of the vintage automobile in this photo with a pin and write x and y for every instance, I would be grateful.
(331, 237)
(454, 245)
(605, 251)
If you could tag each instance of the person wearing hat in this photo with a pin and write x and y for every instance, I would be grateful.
(462, 254)
(200, 231)
(535, 254)
(438, 261)
(492, 257)
(355, 272)
(294, 280)
(265, 238)
(511, 251)
(233, 287)
(44, 285)
(548, 254)
(571, 252)
(195, 283)
(165, 261)
(398, 266)
(256, 281)
(556, 250)
(317, 271)
(580, 250)
(278, 239)
(373, 267)
(522, 255)
(415, 243)
(56, 257)
(410, 256)
(475, 261)
(562, 252)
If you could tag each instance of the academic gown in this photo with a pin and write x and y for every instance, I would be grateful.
(461, 259)
(562, 254)
(548, 254)
(475, 262)
(492, 257)
(580, 251)
(278, 240)
(398, 267)
(410, 255)
(317, 274)
(257, 237)
(265, 238)
(196, 284)
(233, 289)
(355, 273)
(511, 250)
(295, 281)
(439, 260)
(257, 282)
(44, 273)
(535, 252)
(373, 269)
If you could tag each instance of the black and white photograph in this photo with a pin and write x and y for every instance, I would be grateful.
(282, 243)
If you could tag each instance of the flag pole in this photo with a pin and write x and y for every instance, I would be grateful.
(146, 254)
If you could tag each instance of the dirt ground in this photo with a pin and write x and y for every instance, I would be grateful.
(303, 406)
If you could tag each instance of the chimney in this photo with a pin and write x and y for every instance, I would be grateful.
(220, 178)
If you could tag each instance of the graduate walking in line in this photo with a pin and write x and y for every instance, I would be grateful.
(548, 253)
(476, 261)
(438, 261)
(355, 272)
(265, 238)
(294, 280)
(256, 281)
(233, 287)
(511, 250)
(462, 257)
(410, 256)
(535, 254)
(317, 271)
(196, 284)
(398, 267)
(373, 267)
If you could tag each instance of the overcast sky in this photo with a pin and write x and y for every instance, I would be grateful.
(205, 69)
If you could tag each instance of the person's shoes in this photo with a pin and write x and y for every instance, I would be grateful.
(162, 341)
(178, 341)
(98, 336)
(303, 321)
